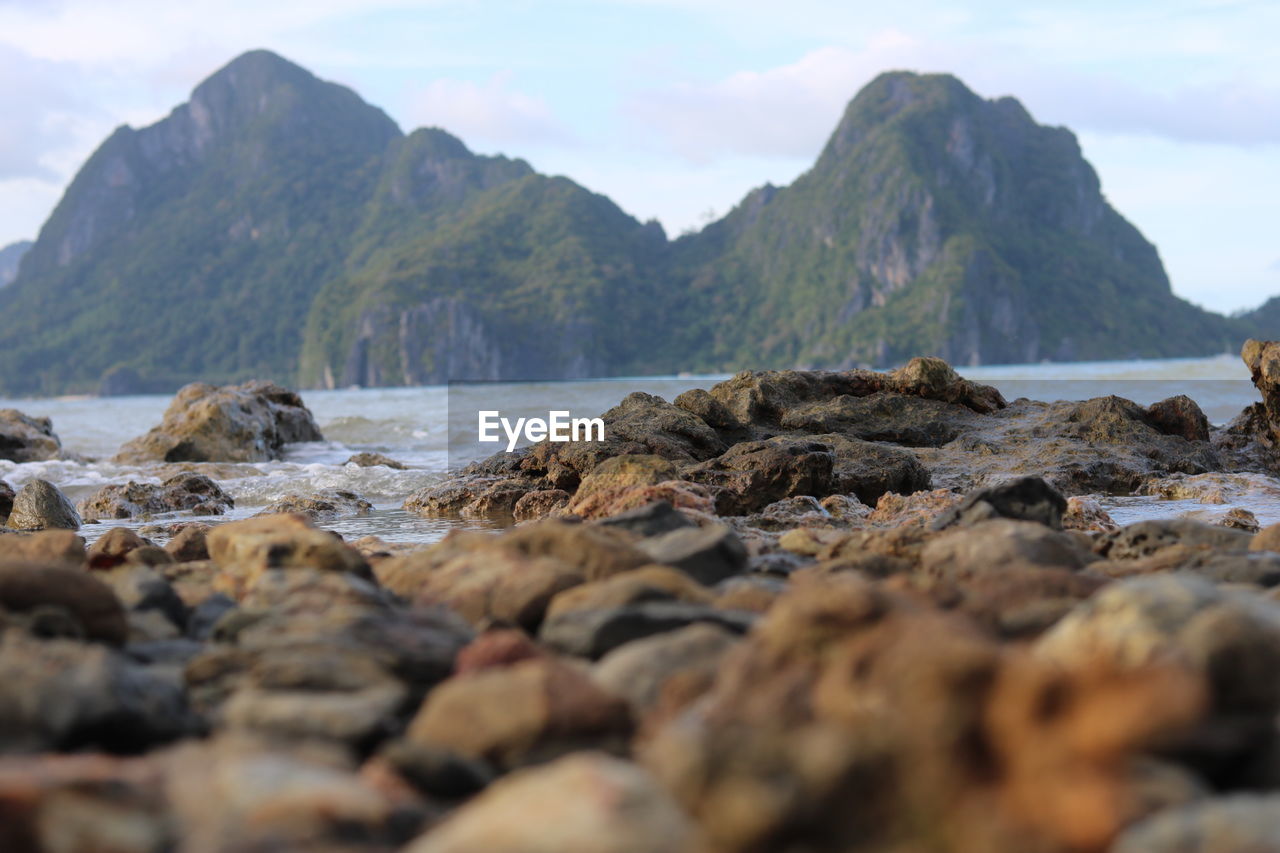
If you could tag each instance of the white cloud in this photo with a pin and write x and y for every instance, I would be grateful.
(490, 113)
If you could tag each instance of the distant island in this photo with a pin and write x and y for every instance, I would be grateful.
(276, 226)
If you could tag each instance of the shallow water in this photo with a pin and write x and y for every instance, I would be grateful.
(414, 426)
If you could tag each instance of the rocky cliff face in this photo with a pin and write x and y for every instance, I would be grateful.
(277, 226)
(10, 257)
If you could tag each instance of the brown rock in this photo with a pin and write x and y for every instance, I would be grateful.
(541, 503)
(187, 491)
(51, 595)
(189, 544)
(249, 547)
(27, 439)
(40, 505)
(1179, 416)
(371, 460)
(44, 546)
(752, 475)
(649, 583)
(115, 544)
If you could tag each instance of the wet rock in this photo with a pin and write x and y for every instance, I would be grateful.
(1144, 538)
(115, 544)
(27, 439)
(251, 422)
(595, 633)
(651, 519)
(1214, 488)
(1086, 513)
(64, 694)
(1240, 823)
(39, 505)
(366, 459)
(1239, 518)
(707, 554)
(541, 503)
(248, 548)
(532, 711)
(6, 502)
(436, 771)
(1180, 416)
(1025, 499)
(650, 583)
(752, 475)
(638, 670)
(184, 492)
(189, 544)
(44, 546)
(321, 506)
(585, 803)
(61, 601)
(473, 497)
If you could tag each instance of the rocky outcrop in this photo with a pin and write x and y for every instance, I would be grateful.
(27, 439)
(236, 423)
(187, 492)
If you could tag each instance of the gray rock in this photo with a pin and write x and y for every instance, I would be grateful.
(1240, 823)
(27, 439)
(372, 460)
(1024, 499)
(595, 633)
(187, 491)
(651, 519)
(707, 554)
(39, 505)
(637, 670)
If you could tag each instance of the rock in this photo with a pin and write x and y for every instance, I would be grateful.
(1001, 544)
(1238, 823)
(321, 506)
(790, 513)
(27, 439)
(248, 548)
(186, 491)
(541, 503)
(366, 459)
(251, 422)
(1144, 538)
(62, 600)
(707, 554)
(497, 648)
(594, 633)
(679, 493)
(141, 588)
(6, 502)
(884, 417)
(39, 505)
(893, 510)
(1180, 416)
(436, 771)
(650, 583)
(532, 711)
(1263, 360)
(1025, 499)
(637, 671)
(584, 803)
(868, 469)
(1085, 513)
(44, 546)
(473, 497)
(1239, 518)
(611, 476)
(595, 550)
(189, 543)
(114, 545)
(64, 694)
(651, 519)
(751, 475)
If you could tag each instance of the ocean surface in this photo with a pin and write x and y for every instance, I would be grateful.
(414, 425)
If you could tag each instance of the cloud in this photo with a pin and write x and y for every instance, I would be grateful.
(490, 113)
(37, 117)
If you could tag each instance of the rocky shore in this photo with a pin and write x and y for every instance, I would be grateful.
(797, 611)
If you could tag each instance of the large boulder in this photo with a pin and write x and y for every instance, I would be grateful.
(27, 439)
(41, 506)
(753, 474)
(235, 423)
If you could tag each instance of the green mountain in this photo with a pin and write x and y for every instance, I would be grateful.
(277, 226)
(10, 257)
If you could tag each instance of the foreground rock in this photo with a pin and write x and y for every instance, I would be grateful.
(235, 423)
(187, 492)
(27, 439)
(40, 505)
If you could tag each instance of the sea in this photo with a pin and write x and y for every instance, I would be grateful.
(432, 430)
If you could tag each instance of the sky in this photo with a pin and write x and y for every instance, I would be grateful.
(676, 108)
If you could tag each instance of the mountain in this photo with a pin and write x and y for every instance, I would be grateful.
(10, 256)
(278, 226)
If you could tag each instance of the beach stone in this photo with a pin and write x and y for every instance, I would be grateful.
(1180, 416)
(251, 422)
(680, 494)
(6, 502)
(288, 540)
(651, 519)
(1024, 499)
(43, 546)
(471, 497)
(894, 510)
(1086, 513)
(596, 551)
(621, 472)
(64, 694)
(752, 475)
(60, 595)
(531, 711)
(140, 587)
(321, 506)
(648, 583)
(116, 543)
(1238, 518)
(541, 503)
(868, 469)
(638, 670)
(594, 633)
(584, 803)
(189, 543)
(27, 439)
(497, 647)
(183, 492)
(707, 554)
(366, 459)
(1144, 538)
(1238, 823)
(39, 505)
(436, 771)
(1000, 544)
